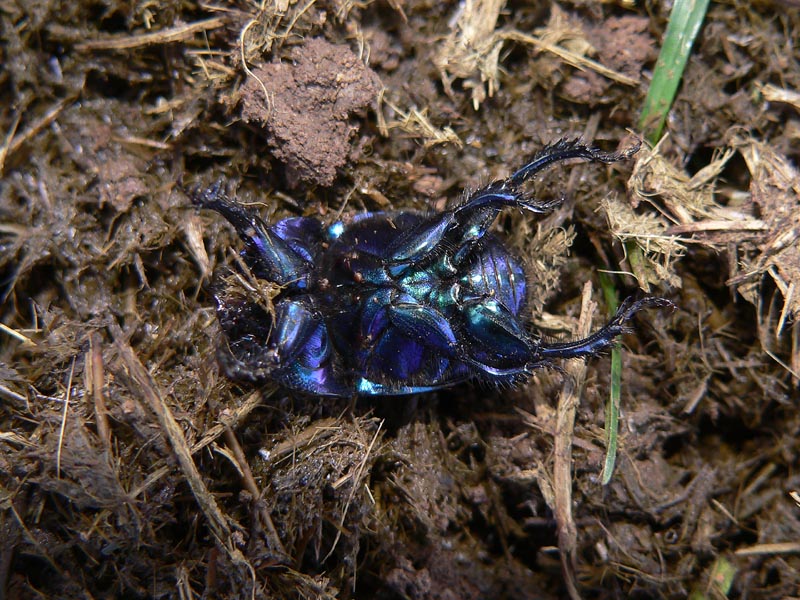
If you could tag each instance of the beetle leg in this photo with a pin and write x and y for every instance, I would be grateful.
(478, 212)
(501, 345)
(273, 257)
(245, 357)
(603, 338)
(265, 345)
(404, 338)
(295, 350)
(564, 150)
(426, 325)
(503, 348)
(466, 224)
(418, 242)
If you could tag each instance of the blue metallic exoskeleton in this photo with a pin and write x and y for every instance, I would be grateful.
(397, 302)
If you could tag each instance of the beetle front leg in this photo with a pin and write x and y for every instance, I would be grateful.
(264, 345)
(273, 258)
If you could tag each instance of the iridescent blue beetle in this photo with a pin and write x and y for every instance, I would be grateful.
(397, 302)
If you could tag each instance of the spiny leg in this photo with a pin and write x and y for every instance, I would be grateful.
(275, 259)
(500, 340)
(478, 213)
(503, 348)
(462, 227)
(604, 337)
(564, 150)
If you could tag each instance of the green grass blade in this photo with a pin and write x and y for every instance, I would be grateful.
(684, 24)
(723, 572)
(612, 405)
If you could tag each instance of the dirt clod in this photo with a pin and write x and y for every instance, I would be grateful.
(305, 106)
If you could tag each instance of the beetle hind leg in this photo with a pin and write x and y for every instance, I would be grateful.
(605, 336)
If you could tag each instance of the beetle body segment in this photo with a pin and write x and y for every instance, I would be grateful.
(395, 303)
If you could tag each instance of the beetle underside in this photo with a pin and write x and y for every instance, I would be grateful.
(396, 303)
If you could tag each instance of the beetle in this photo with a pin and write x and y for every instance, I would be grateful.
(392, 303)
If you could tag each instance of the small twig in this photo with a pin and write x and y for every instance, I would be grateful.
(575, 374)
(356, 480)
(64, 420)
(26, 341)
(777, 548)
(94, 385)
(716, 225)
(142, 141)
(9, 394)
(242, 34)
(251, 486)
(240, 415)
(164, 36)
(149, 391)
(211, 435)
(576, 60)
(9, 136)
(13, 143)
(317, 431)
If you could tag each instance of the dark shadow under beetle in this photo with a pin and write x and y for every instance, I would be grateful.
(398, 302)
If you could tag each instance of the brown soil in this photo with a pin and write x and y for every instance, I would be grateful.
(131, 468)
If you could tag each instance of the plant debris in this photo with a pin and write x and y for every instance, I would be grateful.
(129, 467)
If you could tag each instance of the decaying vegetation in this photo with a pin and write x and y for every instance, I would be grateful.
(129, 467)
